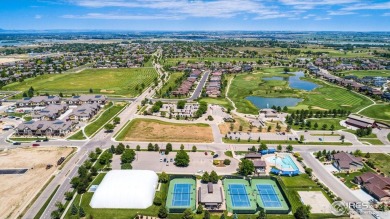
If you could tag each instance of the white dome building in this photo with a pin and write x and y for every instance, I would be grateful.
(133, 189)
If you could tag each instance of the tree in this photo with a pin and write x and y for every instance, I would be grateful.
(279, 148)
(157, 200)
(246, 167)
(269, 128)
(81, 212)
(213, 177)
(156, 147)
(60, 206)
(301, 138)
(163, 177)
(109, 127)
(182, 159)
(92, 156)
(263, 147)
(206, 215)
(222, 216)
(128, 156)
(117, 120)
(90, 90)
(112, 149)
(367, 155)
(120, 149)
(98, 151)
(162, 212)
(168, 148)
(261, 215)
(199, 209)
(289, 148)
(227, 162)
(206, 177)
(105, 158)
(316, 125)
(138, 148)
(68, 196)
(194, 149)
(74, 210)
(181, 147)
(187, 214)
(181, 104)
(302, 212)
(332, 127)
(150, 147)
(55, 214)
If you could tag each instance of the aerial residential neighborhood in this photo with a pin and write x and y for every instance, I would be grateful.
(201, 109)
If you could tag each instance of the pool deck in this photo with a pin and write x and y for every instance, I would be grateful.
(170, 197)
(270, 164)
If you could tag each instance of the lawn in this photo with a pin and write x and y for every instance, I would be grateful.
(102, 119)
(377, 112)
(373, 141)
(381, 161)
(77, 136)
(361, 74)
(329, 97)
(171, 85)
(348, 177)
(122, 82)
(217, 101)
(328, 121)
(300, 181)
(159, 131)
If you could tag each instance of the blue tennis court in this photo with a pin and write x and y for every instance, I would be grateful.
(268, 196)
(181, 195)
(238, 195)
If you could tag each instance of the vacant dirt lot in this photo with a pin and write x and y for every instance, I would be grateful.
(16, 191)
(154, 131)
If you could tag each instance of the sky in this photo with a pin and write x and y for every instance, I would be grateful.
(216, 15)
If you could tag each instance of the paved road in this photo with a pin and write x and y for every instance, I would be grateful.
(198, 89)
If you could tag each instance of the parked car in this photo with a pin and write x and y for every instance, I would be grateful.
(215, 155)
(161, 159)
(38, 141)
(35, 145)
(171, 160)
(16, 143)
(205, 153)
(45, 139)
(165, 159)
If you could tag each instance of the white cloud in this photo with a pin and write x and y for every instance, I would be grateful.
(365, 6)
(38, 16)
(120, 17)
(386, 14)
(337, 13)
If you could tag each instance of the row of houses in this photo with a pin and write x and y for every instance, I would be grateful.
(347, 64)
(188, 111)
(56, 116)
(186, 86)
(213, 86)
(348, 83)
(74, 100)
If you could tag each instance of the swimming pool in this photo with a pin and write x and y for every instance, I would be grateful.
(283, 162)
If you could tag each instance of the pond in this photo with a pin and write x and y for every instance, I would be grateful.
(268, 102)
(295, 81)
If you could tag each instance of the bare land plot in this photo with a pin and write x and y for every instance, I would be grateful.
(16, 191)
(158, 131)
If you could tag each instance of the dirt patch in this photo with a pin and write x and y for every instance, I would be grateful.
(226, 127)
(249, 78)
(154, 131)
(6, 60)
(317, 108)
(16, 191)
(107, 91)
(328, 99)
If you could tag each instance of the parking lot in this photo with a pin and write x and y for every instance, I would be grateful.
(198, 162)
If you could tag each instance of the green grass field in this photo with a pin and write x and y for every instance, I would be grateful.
(105, 117)
(122, 82)
(381, 162)
(77, 136)
(170, 84)
(377, 112)
(331, 97)
(360, 74)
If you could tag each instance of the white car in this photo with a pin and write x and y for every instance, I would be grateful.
(200, 171)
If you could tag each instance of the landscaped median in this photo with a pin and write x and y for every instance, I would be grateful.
(105, 117)
(292, 142)
(153, 130)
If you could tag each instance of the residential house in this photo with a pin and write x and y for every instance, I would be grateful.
(376, 185)
(347, 162)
